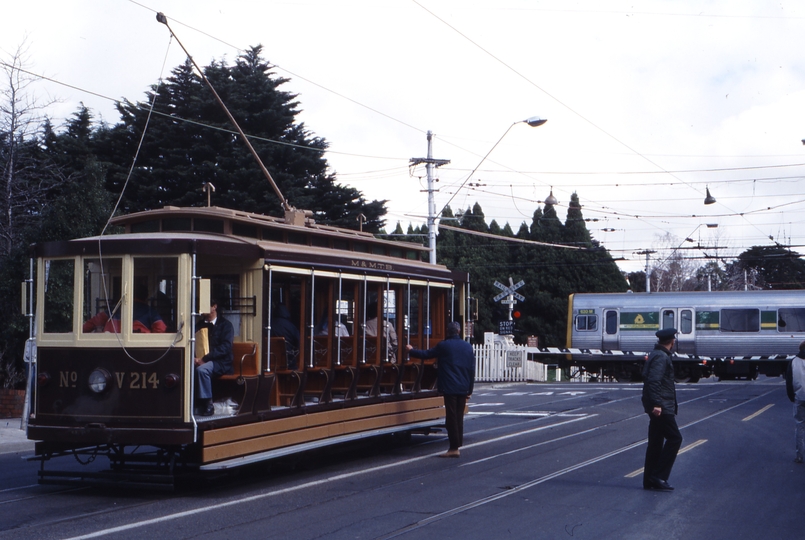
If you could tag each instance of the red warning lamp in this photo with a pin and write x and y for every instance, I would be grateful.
(516, 314)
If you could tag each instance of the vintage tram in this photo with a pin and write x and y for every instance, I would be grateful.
(127, 392)
(728, 333)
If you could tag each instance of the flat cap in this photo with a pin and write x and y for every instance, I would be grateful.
(665, 334)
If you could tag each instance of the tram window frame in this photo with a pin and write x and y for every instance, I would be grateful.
(59, 296)
(97, 297)
(158, 272)
(586, 323)
(739, 320)
(788, 316)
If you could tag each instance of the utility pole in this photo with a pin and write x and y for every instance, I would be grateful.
(429, 164)
(646, 252)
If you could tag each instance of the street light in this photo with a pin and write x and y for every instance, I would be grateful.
(533, 121)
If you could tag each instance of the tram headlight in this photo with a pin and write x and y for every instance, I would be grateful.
(99, 380)
(171, 380)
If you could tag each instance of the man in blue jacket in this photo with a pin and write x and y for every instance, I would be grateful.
(455, 379)
(659, 402)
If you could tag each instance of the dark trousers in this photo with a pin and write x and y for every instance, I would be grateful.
(664, 441)
(454, 419)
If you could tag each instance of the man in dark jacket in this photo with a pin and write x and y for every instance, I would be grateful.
(282, 326)
(659, 402)
(455, 380)
(217, 362)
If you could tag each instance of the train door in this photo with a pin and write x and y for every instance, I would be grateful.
(682, 320)
(611, 333)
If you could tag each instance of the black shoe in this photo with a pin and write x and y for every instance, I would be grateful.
(660, 485)
(209, 409)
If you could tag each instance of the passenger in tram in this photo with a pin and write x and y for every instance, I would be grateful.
(282, 326)
(322, 329)
(455, 378)
(659, 402)
(146, 319)
(389, 334)
(217, 362)
(795, 387)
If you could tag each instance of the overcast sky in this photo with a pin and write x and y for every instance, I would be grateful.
(648, 102)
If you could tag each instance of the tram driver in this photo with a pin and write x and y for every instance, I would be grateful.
(215, 363)
(146, 319)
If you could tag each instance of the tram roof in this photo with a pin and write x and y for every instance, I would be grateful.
(234, 222)
(266, 237)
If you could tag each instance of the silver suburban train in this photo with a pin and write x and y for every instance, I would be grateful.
(726, 333)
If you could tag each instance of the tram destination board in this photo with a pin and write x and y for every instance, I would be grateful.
(506, 328)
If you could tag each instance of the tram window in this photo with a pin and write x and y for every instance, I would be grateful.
(588, 322)
(59, 287)
(340, 244)
(102, 286)
(296, 238)
(611, 322)
(740, 320)
(208, 225)
(273, 235)
(411, 255)
(154, 302)
(378, 250)
(685, 321)
(241, 229)
(176, 224)
(396, 252)
(791, 320)
(145, 226)
(319, 241)
(360, 247)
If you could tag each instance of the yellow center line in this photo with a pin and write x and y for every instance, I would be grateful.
(691, 446)
(761, 411)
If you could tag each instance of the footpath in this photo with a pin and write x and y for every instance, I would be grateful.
(12, 438)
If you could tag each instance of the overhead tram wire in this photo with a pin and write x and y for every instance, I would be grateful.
(556, 99)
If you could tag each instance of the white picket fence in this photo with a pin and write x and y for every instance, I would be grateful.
(494, 363)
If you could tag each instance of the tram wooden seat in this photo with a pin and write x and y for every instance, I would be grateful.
(246, 361)
(290, 383)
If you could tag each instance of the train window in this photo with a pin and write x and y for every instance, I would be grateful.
(685, 321)
(791, 320)
(102, 285)
(740, 320)
(586, 322)
(611, 322)
(340, 244)
(668, 318)
(59, 287)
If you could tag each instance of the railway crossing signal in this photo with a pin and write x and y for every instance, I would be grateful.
(509, 296)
